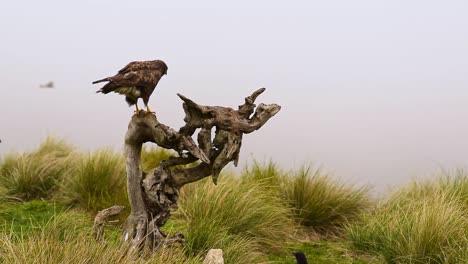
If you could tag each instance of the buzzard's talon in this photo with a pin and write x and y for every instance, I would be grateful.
(148, 111)
(137, 110)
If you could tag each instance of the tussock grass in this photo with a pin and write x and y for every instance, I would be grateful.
(452, 185)
(91, 181)
(321, 203)
(97, 181)
(242, 219)
(248, 217)
(78, 249)
(269, 174)
(57, 147)
(422, 223)
(317, 201)
(37, 174)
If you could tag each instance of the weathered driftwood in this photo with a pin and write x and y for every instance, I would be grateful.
(154, 197)
(103, 217)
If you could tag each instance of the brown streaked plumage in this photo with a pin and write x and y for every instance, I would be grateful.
(136, 80)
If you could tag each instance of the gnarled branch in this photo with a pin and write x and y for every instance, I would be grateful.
(154, 197)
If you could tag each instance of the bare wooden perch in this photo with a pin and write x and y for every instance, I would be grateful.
(154, 197)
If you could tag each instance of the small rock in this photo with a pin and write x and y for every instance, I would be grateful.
(214, 256)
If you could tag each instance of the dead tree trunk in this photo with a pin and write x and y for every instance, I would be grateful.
(153, 197)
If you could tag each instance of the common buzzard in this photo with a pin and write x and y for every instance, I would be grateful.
(136, 80)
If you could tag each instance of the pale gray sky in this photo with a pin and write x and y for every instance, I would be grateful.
(375, 91)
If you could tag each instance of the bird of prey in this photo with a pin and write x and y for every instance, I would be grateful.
(300, 258)
(136, 80)
(47, 85)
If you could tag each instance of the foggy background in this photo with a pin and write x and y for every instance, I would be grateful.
(373, 91)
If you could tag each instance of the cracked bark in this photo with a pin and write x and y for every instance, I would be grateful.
(154, 197)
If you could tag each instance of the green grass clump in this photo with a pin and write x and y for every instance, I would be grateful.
(97, 181)
(423, 223)
(317, 202)
(245, 220)
(320, 203)
(268, 173)
(37, 174)
(58, 147)
(452, 185)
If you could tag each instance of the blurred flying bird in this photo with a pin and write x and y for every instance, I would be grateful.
(300, 257)
(136, 80)
(49, 85)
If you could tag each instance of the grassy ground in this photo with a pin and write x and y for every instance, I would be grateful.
(49, 197)
(337, 251)
(23, 218)
(27, 222)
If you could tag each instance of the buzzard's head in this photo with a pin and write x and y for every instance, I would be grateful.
(162, 66)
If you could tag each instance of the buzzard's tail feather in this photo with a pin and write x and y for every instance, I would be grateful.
(109, 87)
(102, 80)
